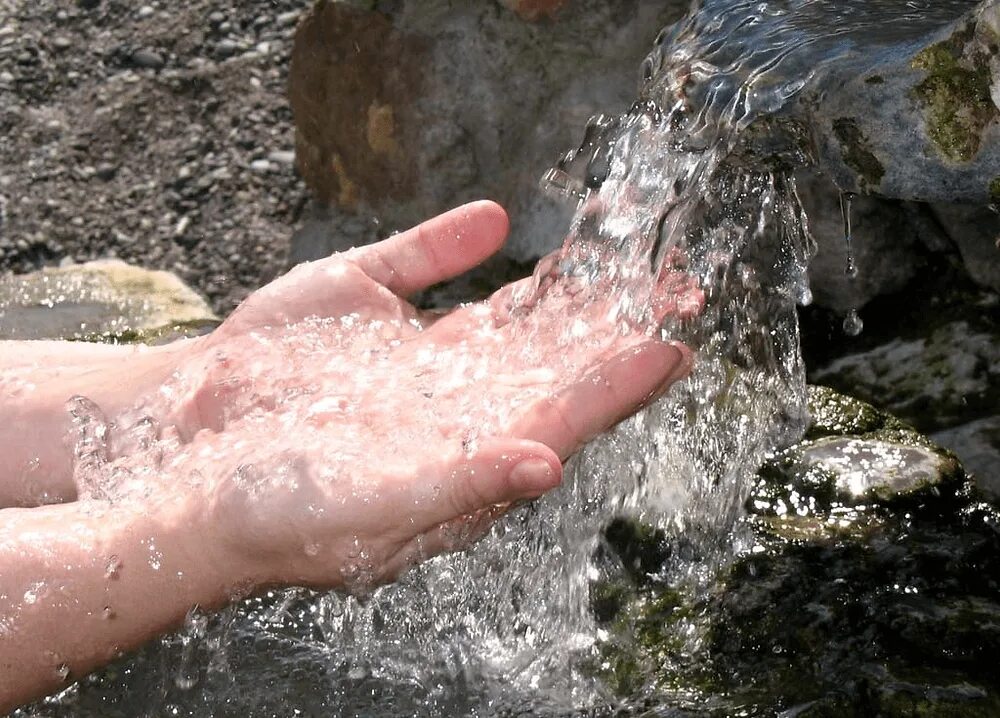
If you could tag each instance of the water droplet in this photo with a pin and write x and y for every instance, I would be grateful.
(108, 613)
(186, 682)
(62, 672)
(311, 549)
(113, 568)
(853, 324)
(805, 296)
(846, 200)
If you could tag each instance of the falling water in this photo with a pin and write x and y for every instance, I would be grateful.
(664, 190)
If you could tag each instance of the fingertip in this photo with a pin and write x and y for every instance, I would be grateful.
(491, 222)
(535, 475)
(684, 359)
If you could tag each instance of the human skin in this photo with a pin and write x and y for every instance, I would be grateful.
(326, 435)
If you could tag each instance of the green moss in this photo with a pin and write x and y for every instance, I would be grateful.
(995, 190)
(857, 152)
(955, 95)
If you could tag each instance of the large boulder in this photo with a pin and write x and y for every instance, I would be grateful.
(404, 113)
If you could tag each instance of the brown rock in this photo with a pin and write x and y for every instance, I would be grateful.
(353, 78)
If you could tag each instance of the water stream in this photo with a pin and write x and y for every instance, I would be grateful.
(508, 627)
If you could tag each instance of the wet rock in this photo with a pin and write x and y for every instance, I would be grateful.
(917, 120)
(101, 300)
(935, 379)
(887, 239)
(883, 603)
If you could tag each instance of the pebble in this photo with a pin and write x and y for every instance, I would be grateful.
(282, 157)
(288, 18)
(226, 47)
(62, 43)
(261, 166)
(144, 12)
(106, 171)
(148, 58)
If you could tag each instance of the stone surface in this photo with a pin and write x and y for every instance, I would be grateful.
(412, 108)
(977, 445)
(533, 10)
(101, 300)
(932, 379)
(976, 232)
(883, 603)
(887, 240)
(916, 120)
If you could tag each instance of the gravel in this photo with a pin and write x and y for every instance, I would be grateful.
(158, 133)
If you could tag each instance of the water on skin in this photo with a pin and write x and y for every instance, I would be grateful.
(508, 625)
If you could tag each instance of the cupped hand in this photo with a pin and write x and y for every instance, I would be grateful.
(336, 435)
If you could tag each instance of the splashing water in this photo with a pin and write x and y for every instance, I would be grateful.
(663, 190)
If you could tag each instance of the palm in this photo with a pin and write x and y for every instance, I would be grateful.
(328, 394)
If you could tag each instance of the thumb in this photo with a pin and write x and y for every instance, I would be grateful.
(499, 471)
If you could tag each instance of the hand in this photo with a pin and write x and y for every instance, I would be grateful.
(336, 435)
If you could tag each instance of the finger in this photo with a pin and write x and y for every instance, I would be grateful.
(499, 471)
(438, 249)
(612, 390)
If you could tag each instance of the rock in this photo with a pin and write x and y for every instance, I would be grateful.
(916, 120)
(976, 232)
(261, 166)
(353, 86)
(936, 379)
(533, 10)
(977, 445)
(883, 603)
(105, 299)
(404, 114)
(148, 58)
(885, 242)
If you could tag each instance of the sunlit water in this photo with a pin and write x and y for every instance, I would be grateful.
(507, 626)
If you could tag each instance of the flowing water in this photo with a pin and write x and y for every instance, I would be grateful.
(508, 627)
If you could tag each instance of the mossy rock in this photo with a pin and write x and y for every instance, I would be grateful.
(106, 301)
(883, 603)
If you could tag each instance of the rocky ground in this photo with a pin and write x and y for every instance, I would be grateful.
(158, 133)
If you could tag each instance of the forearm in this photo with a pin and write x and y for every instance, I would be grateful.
(82, 583)
(37, 379)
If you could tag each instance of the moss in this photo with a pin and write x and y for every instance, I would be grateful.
(956, 95)
(995, 191)
(874, 80)
(834, 414)
(160, 335)
(857, 152)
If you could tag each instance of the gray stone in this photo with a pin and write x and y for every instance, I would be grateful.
(873, 467)
(148, 58)
(915, 119)
(976, 232)
(448, 101)
(98, 300)
(977, 445)
(932, 379)
(885, 235)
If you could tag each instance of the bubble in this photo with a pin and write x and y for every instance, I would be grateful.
(113, 567)
(853, 325)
